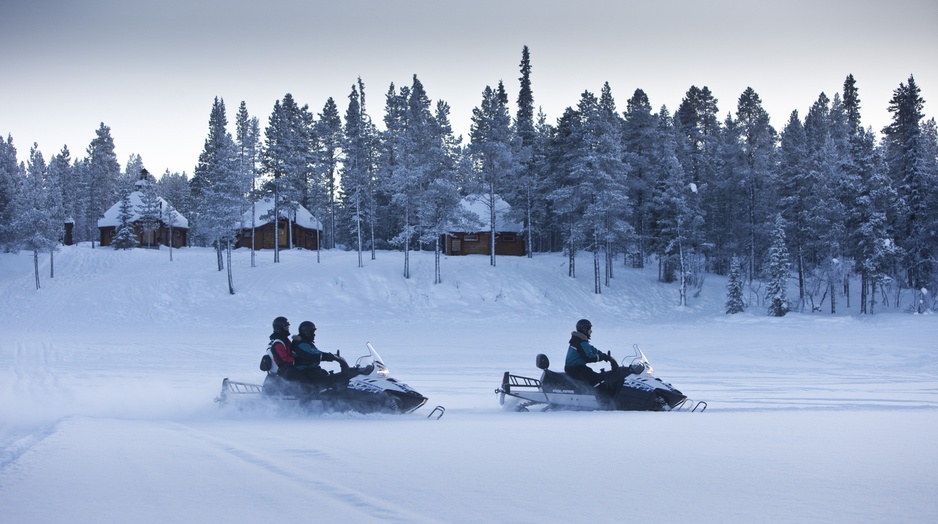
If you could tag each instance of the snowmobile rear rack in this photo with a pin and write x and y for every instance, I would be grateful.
(237, 388)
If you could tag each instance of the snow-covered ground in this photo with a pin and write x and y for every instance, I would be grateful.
(110, 370)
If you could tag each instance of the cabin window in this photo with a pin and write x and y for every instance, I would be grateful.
(471, 238)
(508, 238)
(456, 244)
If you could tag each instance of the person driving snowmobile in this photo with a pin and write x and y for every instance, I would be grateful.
(581, 352)
(307, 358)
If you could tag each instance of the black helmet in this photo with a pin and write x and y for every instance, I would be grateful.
(584, 326)
(307, 329)
(281, 324)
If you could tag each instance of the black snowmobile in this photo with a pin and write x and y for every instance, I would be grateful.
(631, 386)
(369, 390)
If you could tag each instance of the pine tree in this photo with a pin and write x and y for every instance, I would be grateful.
(10, 178)
(758, 140)
(287, 160)
(35, 223)
(638, 138)
(439, 205)
(414, 141)
(522, 194)
(495, 151)
(907, 164)
(150, 209)
(328, 132)
(125, 237)
(249, 143)
(734, 290)
(794, 192)
(674, 211)
(100, 179)
(358, 171)
(777, 270)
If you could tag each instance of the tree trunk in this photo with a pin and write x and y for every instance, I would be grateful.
(36, 266)
(230, 279)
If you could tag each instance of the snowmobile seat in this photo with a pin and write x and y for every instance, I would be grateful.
(553, 381)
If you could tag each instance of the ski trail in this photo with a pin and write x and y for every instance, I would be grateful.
(12, 452)
(373, 507)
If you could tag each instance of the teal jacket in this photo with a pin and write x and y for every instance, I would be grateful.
(308, 356)
(579, 340)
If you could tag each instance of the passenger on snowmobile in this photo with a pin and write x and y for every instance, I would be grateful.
(279, 349)
(581, 352)
(307, 359)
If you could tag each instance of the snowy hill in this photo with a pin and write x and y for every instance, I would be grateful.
(106, 411)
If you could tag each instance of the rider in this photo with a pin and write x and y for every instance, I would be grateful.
(582, 352)
(280, 349)
(307, 357)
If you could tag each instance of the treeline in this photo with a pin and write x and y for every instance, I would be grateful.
(695, 191)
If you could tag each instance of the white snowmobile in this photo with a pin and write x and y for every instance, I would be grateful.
(369, 390)
(631, 386)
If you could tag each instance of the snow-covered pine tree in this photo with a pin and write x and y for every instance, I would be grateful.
(906, 155)
(99, 184)
(639, 131)
(34, 225)
(495, 151)
(412, 136)
(287, 159)
(439, 205)
(249, 144)
(699, 131)
(124, 236)
(357, 175)
(794, 193)
(10, 178)
(777, 271)
(328, 133)
(224, 200)
(58, 170)
(734, 290)
(522, 194)
(150, 209)
(674, 210)
(758, 140)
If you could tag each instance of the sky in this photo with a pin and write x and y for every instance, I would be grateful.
(110, 370)
(151, 70)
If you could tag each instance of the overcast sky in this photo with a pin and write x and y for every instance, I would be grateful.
(150, 70)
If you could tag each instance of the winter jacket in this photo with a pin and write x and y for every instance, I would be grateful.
(280, 352)
(307, 356)
(579, 343)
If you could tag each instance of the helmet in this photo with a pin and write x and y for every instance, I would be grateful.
(307, 329)
(281, 324)
(583, 326)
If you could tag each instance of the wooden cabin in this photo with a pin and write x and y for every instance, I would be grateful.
(108, 225)
(476, 239)
(298, 226)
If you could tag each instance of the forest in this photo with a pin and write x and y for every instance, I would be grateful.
(813, 206)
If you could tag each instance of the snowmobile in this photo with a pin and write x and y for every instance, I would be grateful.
(629, 386)
(369, 390)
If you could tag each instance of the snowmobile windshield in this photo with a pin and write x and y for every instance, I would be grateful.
(373, 357)
(638, 360)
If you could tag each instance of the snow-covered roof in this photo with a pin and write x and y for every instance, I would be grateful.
(112, 215)
(479, 204)
(265, 207)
